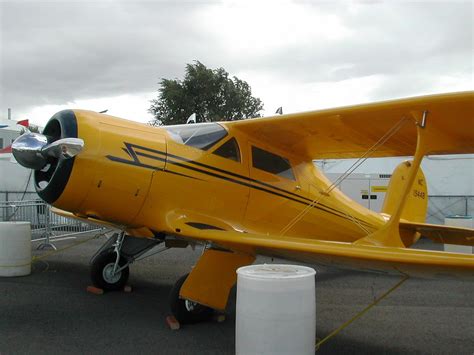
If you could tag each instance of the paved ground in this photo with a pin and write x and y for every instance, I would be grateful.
(50, 312)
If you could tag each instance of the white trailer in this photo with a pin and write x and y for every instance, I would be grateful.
(366, 189)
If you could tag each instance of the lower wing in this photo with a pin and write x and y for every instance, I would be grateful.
(441, 234)
(414, 262)
(89, 220)
(140, 232)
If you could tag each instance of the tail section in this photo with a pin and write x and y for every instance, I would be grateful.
(416, 204)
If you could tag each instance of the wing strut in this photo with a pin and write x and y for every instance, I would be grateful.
(389, 234)
(361, 313)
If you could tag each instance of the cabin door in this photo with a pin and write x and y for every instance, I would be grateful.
(274, 196)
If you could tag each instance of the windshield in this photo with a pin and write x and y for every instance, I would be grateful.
(198, 135)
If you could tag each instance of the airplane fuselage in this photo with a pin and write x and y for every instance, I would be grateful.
(140, 177)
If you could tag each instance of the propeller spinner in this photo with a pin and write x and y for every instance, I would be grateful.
(32, 150)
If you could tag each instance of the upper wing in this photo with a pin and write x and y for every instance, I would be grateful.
(348, 132)
(410, 261)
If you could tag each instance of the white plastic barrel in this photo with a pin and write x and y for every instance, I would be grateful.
(463, 222)
(15, 249)
(276, 310)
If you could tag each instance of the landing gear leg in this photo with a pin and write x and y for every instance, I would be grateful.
(117, 246)
(210, 282)
(109, 269)
(185, 311)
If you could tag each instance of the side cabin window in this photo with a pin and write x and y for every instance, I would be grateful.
(229, 150)
(198, 135)
(271, 163)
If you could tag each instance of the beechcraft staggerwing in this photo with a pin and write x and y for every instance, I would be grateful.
(250, 187)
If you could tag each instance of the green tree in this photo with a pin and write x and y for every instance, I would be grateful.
(208, 93)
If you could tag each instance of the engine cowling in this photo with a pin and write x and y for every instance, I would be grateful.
(109, 178)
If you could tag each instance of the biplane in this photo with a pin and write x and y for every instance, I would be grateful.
(250, 187)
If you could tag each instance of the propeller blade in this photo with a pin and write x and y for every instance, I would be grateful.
(65, 148)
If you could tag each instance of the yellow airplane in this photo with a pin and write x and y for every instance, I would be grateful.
(250, 187)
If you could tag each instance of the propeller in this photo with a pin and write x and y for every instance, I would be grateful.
(32, 150)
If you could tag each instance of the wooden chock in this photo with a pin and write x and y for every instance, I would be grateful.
(172, 323)
(219, 317)
(95, 290)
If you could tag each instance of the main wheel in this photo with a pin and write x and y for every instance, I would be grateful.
(187, 312)
(102, 272)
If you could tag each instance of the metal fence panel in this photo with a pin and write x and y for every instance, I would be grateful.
(44, 223)
(441, 206)
(6, 196)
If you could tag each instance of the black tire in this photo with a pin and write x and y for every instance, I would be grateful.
(103, 260)
(180, 308)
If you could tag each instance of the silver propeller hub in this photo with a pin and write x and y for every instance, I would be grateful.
(27, 150)
(32, 150)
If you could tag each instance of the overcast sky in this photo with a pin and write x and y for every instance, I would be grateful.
(301, 55)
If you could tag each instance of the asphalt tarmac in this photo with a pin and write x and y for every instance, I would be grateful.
(50, 312)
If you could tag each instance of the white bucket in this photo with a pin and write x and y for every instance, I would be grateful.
(15, 249)
(276, 310)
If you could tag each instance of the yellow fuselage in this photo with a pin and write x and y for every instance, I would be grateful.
(139, 177)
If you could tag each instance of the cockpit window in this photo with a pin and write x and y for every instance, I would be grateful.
(197, 135)
(272, 163)
(229, 150)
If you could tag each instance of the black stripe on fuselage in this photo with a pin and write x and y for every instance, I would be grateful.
(317, 206)
(136, 162)
(147, 166)
(210, 167)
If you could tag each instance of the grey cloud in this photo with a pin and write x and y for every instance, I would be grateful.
(411, 43)
(57, 52)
